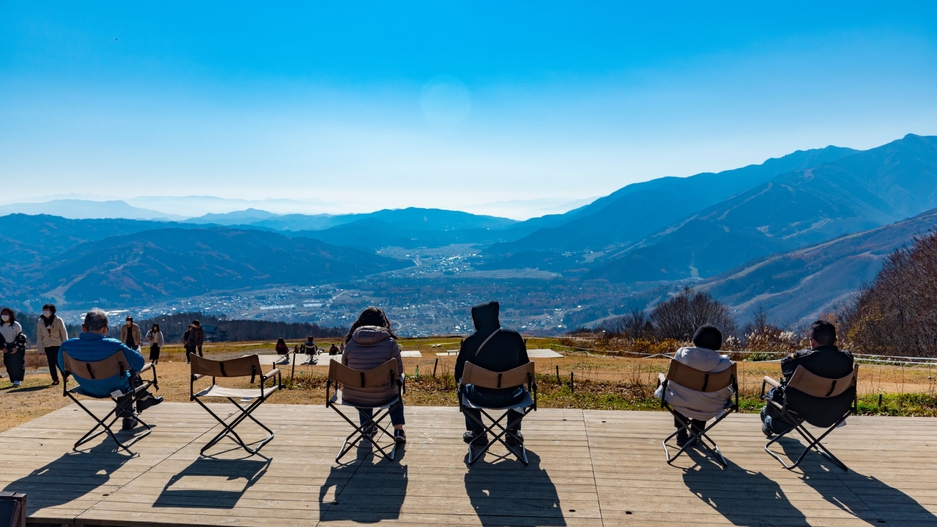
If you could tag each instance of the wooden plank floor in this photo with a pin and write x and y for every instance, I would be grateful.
(587, 468)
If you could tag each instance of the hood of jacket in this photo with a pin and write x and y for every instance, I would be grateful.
(703, 359)
(485, 317)
(369, 335)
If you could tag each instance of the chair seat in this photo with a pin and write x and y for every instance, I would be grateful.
(235, 393)
(528, 400)
(337, 399)
(78, 390)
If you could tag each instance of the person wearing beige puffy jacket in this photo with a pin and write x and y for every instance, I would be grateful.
(50, 334)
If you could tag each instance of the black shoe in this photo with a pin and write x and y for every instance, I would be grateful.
(515, 438)
(369, 430)
(147, 401)
(400, 436)
(470, 438)
(128, 423)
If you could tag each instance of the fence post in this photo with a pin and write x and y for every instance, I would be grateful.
(557, 374)
(571, 388)
(434, 367)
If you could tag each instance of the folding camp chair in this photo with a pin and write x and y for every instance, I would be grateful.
(240, 367)
(482, 378)
(12, 509)
(699, 381)
(114, 366)
(814, 386)
(375, 378)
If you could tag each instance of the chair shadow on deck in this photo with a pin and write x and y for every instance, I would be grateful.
(369, 489)
(212, 483)
(72, 476)
(865, 497)
(743, 497)
(508, 493)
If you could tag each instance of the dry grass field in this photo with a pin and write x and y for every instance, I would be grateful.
(598, 381)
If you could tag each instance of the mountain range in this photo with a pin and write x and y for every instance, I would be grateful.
(760, 235)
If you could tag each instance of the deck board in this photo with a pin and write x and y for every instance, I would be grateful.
(588, 468)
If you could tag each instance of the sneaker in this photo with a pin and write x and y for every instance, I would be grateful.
(55, 383)
(471, 438)
(128, 423)
(148, 401)
(400, 436)
(369, 430)
(515, 438)
(16, 383)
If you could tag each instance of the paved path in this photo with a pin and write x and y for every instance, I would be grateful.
(587, 468)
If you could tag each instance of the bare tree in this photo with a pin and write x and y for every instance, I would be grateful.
(680, 316)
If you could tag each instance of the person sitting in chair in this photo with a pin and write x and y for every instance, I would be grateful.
(698, 407)
(495, 349)
(370, 343)
(93, 345)
(283, 351)
(823, 359)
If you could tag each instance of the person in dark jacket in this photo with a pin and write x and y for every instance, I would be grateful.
(197, 336)
(503, 350)
(188, 342)
(823, 359)
(13, 346)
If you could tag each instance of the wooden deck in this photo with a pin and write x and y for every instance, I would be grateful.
(587, 468)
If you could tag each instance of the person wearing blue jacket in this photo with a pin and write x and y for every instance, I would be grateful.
(93, 345)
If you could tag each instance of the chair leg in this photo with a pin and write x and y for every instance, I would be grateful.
(498, 438)
(813, 443)
(228, 428)
(358, 434)
(696, 437)
(106, 426)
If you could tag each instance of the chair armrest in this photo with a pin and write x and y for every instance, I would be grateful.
(661, 377)
(146, 367)
(197, 376)
(771, 382)
(271, 373)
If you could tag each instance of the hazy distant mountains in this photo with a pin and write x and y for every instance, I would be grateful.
(715, 229)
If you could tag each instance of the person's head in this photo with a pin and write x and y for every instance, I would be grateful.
(485, 316)
(48, 310)
(155, 328)
(7, 316)
(372, 316)
(310, 339)
(708, 336)
(95, 322)
(281, 342)
(129, 321)
(196, 323)
(822, 333)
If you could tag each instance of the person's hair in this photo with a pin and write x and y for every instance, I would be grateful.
(128, 319)
(372, 316)
(310, 337)
(823, 332)
(196, 323)
(155, 327)
(12, 316)
(50, 307)
(95, 320)
(708, 336)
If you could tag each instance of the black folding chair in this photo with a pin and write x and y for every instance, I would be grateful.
(12, 509)
(814, 386)
(482, 378)
(241, 367)
(699, 381)
(374, 379)
(114, 366)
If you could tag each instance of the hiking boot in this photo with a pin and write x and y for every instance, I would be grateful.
(147, 401)
(128, 423)
(515, 438)
(400, 436)
(369, 430)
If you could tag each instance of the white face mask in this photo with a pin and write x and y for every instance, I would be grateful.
(5, 317)
(47, 314)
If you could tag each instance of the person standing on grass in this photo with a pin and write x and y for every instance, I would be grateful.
(187, 342)
(13, 346)
(155, 337)
(197, 336)
(130, 335)
(50, 334)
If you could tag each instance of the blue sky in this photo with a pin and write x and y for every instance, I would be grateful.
(374, 105)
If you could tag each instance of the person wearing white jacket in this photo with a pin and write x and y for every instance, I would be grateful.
(156, 340)
(50, 334)
(695, 406)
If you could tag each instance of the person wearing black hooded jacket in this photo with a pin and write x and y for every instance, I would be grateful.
(503, 351)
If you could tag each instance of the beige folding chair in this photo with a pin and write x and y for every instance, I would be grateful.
(699, 381)
(114, 366)
(374, 379)
(814, 386)
(241, 367)
(525, 374)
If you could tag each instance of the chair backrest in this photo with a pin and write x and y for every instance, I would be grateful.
(822, 387)
(239, 367)
(701, 381)
(114, 366)
(478, 376)
(373, 378)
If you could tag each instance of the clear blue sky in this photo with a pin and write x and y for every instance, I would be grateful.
(372, 105)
